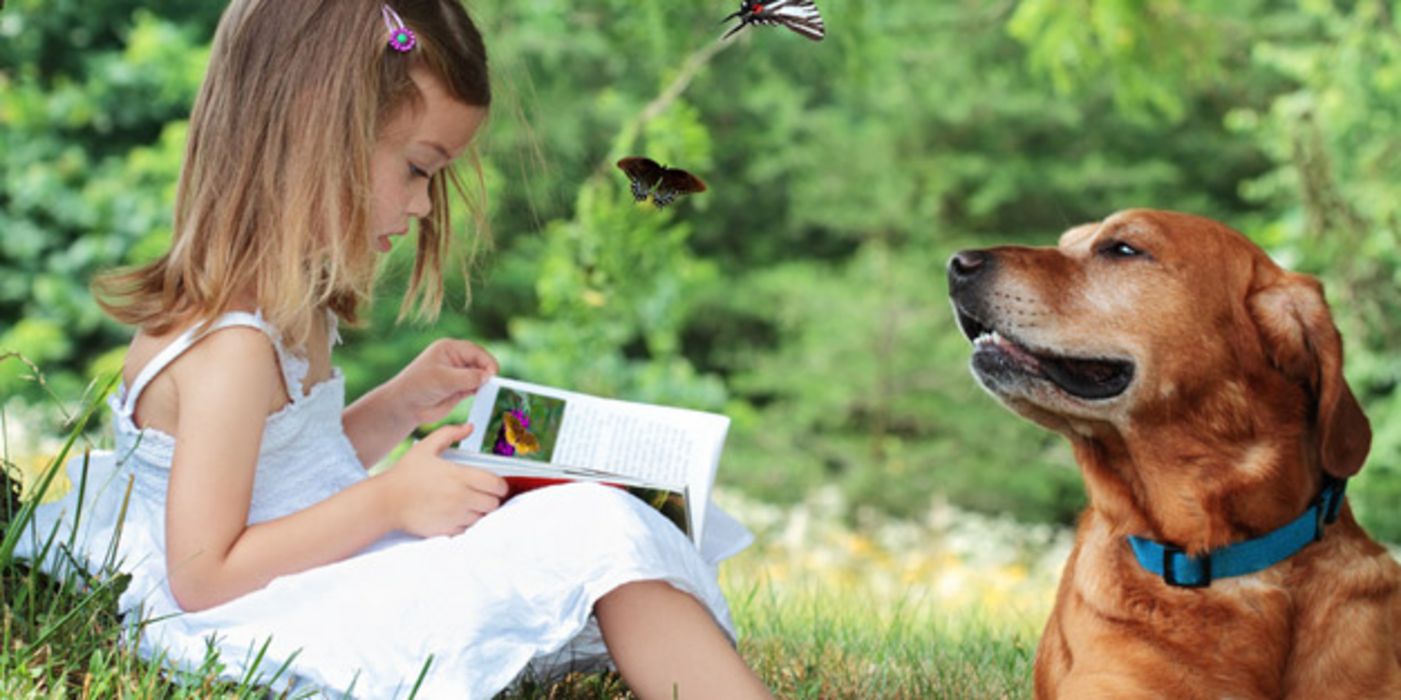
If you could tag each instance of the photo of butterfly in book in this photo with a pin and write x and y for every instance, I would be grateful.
(663, 184)
(524, 425)
(800, 16)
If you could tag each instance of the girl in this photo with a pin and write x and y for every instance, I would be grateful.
(322, 128)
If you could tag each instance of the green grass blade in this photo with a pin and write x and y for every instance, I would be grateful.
(422, 673)
(82, 493)
(83, 604)
(109, 560)
(251, 670)
(26, 512)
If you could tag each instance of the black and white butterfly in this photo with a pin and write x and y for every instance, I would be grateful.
(664, 184)
(800, 16)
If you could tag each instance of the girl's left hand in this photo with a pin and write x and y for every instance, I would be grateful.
(444, 374)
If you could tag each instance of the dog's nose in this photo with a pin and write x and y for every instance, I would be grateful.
(966, 265)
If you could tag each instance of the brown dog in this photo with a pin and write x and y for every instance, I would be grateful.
(1201, 386)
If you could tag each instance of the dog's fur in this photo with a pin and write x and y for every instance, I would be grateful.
(1235, 408)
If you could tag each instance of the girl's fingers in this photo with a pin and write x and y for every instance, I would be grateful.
(485, 482)
(464, 353)
(481, 503)
(445, 437)
(463, 381)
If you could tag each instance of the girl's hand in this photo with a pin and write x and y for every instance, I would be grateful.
(430, 496)
(444, 374)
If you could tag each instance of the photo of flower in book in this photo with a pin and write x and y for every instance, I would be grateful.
(524, 425)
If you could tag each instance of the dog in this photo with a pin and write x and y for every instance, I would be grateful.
(1201, 387)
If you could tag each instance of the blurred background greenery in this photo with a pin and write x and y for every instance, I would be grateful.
(803, 294)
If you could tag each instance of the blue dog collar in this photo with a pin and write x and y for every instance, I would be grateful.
(1179, 569)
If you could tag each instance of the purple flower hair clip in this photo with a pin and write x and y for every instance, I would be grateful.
(401, 38)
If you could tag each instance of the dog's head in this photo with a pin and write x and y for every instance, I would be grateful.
(1155, 320)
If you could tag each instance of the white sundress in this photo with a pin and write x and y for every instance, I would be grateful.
(514, 591)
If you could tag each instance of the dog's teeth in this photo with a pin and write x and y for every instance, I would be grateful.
(989, 337)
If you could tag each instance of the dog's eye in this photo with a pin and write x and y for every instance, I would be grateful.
(1119, 249)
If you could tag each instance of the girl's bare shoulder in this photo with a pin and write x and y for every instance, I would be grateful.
(234, 362)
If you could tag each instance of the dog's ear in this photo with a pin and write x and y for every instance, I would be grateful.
(1299, 338)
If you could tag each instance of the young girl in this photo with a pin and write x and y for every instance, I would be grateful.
(322, 128)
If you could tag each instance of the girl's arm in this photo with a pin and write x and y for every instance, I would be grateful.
(444, 374)
(376, 422)
(225, 386)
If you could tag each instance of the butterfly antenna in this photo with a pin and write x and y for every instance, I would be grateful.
(732, 15)
(736, 28)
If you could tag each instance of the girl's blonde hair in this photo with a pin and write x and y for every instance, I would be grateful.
(274, 193)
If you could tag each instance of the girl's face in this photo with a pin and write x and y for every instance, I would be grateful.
(415, 145)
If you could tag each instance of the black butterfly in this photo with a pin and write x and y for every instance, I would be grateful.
(800, 16)
(663, 183)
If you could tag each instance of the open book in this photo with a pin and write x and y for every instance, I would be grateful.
(533, 436)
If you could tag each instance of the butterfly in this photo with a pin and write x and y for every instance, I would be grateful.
(663, 183)
(518, 437)
(800, 16)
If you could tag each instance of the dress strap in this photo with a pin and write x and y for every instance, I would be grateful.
(193, 335)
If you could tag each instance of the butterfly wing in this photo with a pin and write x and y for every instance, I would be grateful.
(641, 168)
(513, 426)
(518, 436)
(801, 16)
(639, 190)
(675, 182)
(643, 174)
(529, 444)
(681, 181)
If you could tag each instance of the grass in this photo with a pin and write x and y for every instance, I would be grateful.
(826, 645)
(878, 610)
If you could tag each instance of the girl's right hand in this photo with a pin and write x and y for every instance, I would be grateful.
(430, 496)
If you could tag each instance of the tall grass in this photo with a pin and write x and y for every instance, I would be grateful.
(829, 612)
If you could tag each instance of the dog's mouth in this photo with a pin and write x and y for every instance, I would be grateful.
(1083, 378)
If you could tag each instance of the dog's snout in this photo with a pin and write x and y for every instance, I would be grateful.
(966, 265)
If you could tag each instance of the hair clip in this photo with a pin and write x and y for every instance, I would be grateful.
(401, 38)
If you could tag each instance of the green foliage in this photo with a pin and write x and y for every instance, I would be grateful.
(1152, 55)
(89, 152)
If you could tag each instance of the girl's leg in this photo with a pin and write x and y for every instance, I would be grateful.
(667, 645)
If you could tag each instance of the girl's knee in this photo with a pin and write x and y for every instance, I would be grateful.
(643, 595)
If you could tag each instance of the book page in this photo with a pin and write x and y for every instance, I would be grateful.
(660, 444)
(625, 442)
